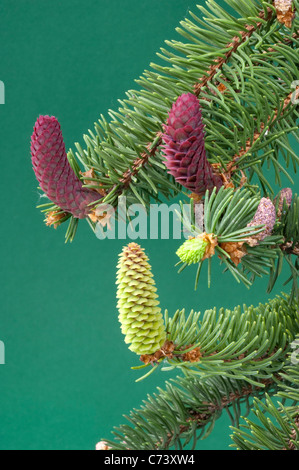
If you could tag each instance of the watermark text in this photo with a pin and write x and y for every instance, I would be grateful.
(160, 221)
(295, 353)
(295, 94)
(2, 353)
(2, 92)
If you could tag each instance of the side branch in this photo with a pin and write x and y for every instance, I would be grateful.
(140, 162)
(202, 418)
(153, 147)
(233, 46)
(232, 166)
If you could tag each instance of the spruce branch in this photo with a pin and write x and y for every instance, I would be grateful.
(138, 164)
(240, 225)
(244, 65)
(219, 110)
(188, 407)
(185, 411)
(232, 47)
(184, 147)
(54, 173)
(288, 227)
(229, 343)
(284, 11)
(277, 427)
(278, 112)
(251, 236)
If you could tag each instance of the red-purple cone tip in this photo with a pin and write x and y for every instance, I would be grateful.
(184, 146)
(53, 171)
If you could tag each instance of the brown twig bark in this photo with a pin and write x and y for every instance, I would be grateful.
(188, 354)
(140, 162)
(290, 249)
(232, 165)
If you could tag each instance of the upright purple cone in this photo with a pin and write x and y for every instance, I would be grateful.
(184, 146)
(53, 171)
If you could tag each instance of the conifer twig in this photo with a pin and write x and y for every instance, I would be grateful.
(232, 166)
(233, 45)
(202, 418)
(139, 163)
(153, 147)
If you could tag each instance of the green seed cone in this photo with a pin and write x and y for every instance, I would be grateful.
(192, 250)
(139, 312)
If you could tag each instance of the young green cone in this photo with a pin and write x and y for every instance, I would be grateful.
(192, 250)
(139, 312)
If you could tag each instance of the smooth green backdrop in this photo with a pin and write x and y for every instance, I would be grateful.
(67, 379)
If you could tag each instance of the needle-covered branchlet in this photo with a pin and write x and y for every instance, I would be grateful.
(265, 215)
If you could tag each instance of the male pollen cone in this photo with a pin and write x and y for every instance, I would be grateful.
(53, 171)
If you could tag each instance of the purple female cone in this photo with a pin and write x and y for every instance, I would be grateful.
(53, 171)
(184, 146)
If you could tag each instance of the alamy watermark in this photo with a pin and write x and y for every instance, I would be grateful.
(2, 92)
(295, 94)
(2, 353)
(160, 221)
(295, 353)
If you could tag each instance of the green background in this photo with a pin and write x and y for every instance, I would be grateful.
(67, 379)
